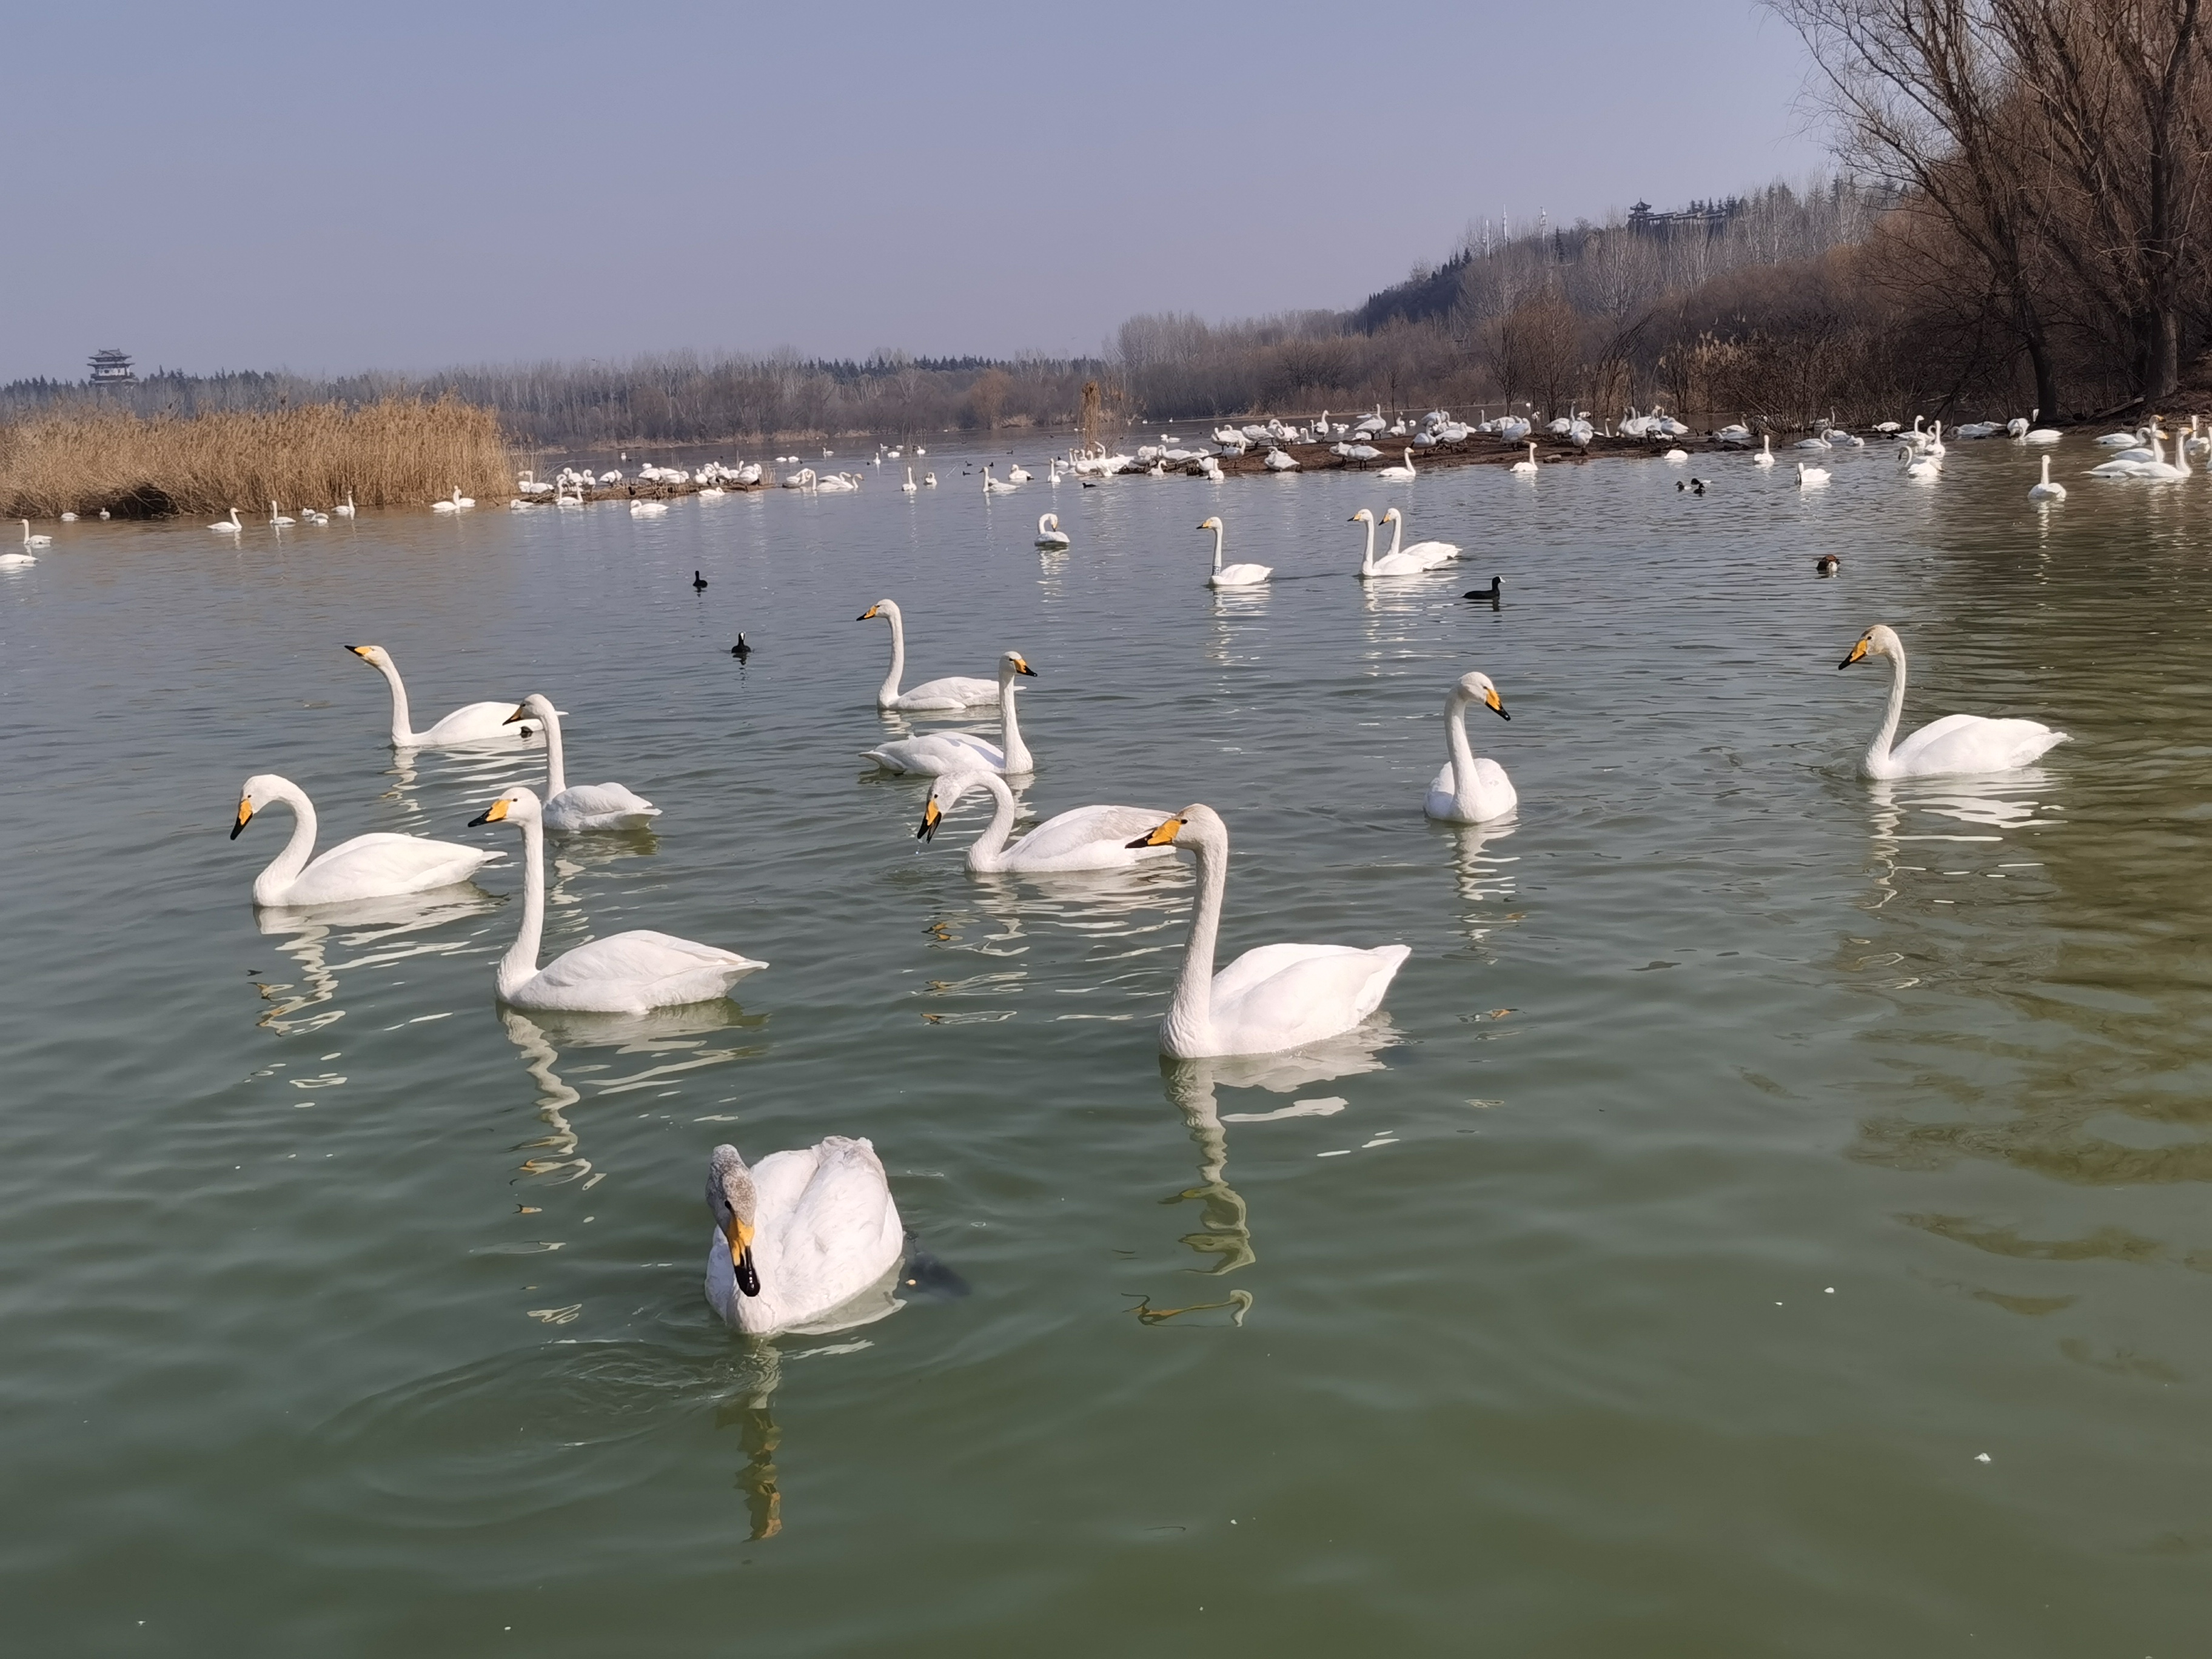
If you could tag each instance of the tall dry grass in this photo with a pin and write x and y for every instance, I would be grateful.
(396, 453)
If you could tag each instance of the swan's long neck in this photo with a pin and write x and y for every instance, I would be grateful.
(988, 851)
(519, 965)
(890, 693)
(557, 773)
(1366, 559)
(284, 869)
(402, 724)
(1877, 754)
(1018, 752)
(1397, 528)
(1190, 1014)
(1466, 785)
(1217, 549)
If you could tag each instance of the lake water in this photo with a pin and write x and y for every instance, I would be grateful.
(1749, 1151)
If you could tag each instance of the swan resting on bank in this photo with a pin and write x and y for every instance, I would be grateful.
(799, 1234)
(1082, 838)
(1957, 743)
(1472, 788)
(375, 866)
(621, 974)
(953, 691)
(1275, 997)
(588, 805)
(474, 722)
(936, 752)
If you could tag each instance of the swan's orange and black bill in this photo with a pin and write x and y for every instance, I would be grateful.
(245, 816)
(361, 650)
(1021, 666)
(931, 816)
(1161, 835)
(1858, 651)
(741, 1255)
(1490, 700)
(522, 713)
(869, 614)
(492, 814)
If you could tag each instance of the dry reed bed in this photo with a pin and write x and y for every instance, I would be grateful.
(395, 454)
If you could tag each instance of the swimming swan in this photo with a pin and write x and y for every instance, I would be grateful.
(1812, 478)
(229, 527)
(1399, 474)
(1275, 997)
(2046, 491)
(472, 722)
(1050, 534)
(1232, 575)
(1431, 553)
(1390, 564)
(947, 751)
(379, 865)
(589, 805)
(621, 974)
(1766, 456)
(1471, 788)
(1082, 838)
(799, 1234)
(953, 691)
(347, 510)
(1957, 743)
(1527, 469)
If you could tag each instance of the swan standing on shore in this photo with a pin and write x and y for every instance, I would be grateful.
(799, 1234)
(1471, 788)
(229, 527)
(946, 751)
(621, 974)
(587, 806)
(1082, 838)
(376, 865)
(1390, 564)
(474, 722)
(1232, 575)
(1956, 743)
(1431, 554)
(953, 691)
(1275, 997)
(1050, 534)
(2046, 491)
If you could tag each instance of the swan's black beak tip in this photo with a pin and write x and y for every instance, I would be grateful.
(235, 827)
(482, 817)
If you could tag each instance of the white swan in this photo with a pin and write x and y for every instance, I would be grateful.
(1050, 534)
(1390, 564)
(29, 540)
(1812, 478)
(649, 509)
(379, 865)
(275, 517)
(474, 722)
(1232, 575)
(1471, 788)
(1401, 474)
(347, 511)
(953, 691)
(588, 805)
(799, 1234)
(947, 751)
(229, 527)
(621, 974)
(1431, 553)
(996, 486)
(1082, 838)
(454, 503)
(1275, 997)
(1957, 743)
(1766, 456)
(1018, 473)
(910, 487)
(2046, 491)
(1914, 464)
(1527, 468)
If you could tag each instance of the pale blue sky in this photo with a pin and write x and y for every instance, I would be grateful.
(409, 185)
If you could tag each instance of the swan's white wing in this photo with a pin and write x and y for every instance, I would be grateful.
(937, 752)
(1242, 575)
(1433, 553)
(1398, 564)
(825, 1230)
(641, 968)
(1101, 831)
(1500, 796)
(953, 691)
(585, 801)
(381, 865)
(1281, 995)
(1969, 742)
(474, 723)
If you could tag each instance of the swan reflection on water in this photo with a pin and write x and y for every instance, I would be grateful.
(1483, 875)
(380, 931)
(670, 1041)
(1910, 819)
(1224, 1233)
(1120, 917)
(476, 768)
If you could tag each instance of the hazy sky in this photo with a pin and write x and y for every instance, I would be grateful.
(406, 184)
